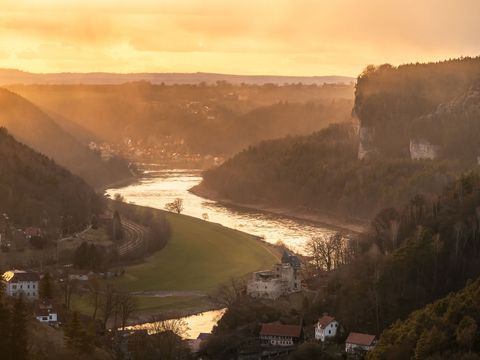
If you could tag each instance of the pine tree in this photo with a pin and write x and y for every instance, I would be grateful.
(73, 332)
(4, 326)
(46, 290)
(18, 331)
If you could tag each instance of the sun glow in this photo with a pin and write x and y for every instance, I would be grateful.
(287, 37)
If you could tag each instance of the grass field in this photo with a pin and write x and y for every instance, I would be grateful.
(199, 256)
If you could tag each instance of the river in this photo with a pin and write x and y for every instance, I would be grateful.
(158, 186)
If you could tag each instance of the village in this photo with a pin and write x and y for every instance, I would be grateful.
(274, 340)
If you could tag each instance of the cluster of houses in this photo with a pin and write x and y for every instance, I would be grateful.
(27, 284)
(271, 284)
(13, 238)
(326, 329)
(278, 339)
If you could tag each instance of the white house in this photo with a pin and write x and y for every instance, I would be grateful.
(358, 342)
(46, 313)
(326, 327)
(21, 282)
(280, 335)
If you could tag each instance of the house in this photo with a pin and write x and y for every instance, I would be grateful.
(280, 335)
(45, 312)
(283, 280)
(326, 327)
(358, 342)
(21, 282)
(33, 232)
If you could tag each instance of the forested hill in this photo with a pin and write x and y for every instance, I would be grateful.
(321, 171)
(219, 119)
(35, 191)
(419, 127)
(435, 102)
(36, 129)
(446, 329)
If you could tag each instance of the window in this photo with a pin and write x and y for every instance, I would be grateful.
(329, 332)
(33, 286)
(14, 287)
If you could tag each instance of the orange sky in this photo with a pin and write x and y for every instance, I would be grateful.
(284, 37)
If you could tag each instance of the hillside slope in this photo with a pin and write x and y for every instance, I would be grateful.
(434, 104)
(205, 119)
(321, 171)
(33, 127)
(446, 329)
(35, 191)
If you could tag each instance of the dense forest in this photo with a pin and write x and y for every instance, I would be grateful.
(436, 102)
(446, 329)
(410, 258)
(219, 119)
(36, 129)
(321, 171)
(37, 192)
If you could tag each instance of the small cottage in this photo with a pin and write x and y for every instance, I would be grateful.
(45, 312)
(325, 328)
(358, 342)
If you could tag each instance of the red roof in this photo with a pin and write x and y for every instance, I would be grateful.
(325, 320)
(19, 276)
(281, 330)
(360, 339)
(33, 231)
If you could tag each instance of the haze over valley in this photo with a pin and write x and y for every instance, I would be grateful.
(217, 180)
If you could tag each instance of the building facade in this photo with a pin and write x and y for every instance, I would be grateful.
(280, 335)
(326, 327)
(19, 282)
(284, 279)
(358, 342)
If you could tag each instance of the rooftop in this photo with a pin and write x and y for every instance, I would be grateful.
(360, 339)
(325, 320)
(20, 275)
(281, 330)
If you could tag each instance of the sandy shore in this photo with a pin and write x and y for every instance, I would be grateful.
(329, 220)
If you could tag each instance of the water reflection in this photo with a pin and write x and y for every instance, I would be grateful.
(159, 187)
(200, 323)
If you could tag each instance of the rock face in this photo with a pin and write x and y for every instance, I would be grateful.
(365, 146)
(423, 150)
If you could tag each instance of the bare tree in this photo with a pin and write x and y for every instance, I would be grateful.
(175, 206)
(326, 253)
(228, 293)
(168, 336)
(68, 287)
(108, 303)
(94, 288)
(127, 305)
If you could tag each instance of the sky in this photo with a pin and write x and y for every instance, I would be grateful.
(275, 37)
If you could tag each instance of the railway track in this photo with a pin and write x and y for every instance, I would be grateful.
(134, 238)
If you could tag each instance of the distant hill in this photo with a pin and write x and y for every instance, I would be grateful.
(36, 129)
(34, 190)
(12, 76)
(215, 120)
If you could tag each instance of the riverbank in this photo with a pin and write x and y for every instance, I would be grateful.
(330, 220)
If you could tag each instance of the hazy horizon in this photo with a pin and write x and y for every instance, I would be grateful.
(284, 38)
